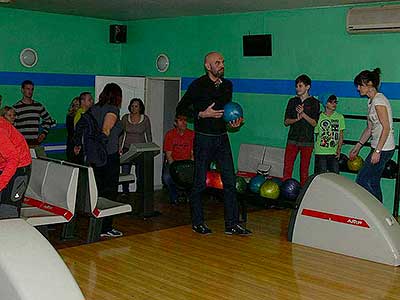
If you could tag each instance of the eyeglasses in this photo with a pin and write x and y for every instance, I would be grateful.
(334, 102)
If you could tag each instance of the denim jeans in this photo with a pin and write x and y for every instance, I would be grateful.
(326, 163)
(214, 148)
(369, 177)
(169, 182)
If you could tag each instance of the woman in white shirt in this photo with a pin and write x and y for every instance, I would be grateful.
(379, 129)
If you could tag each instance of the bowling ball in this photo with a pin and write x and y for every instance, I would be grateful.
(270, 190)
(182, 173)
(390, 170)
(213, 180)
(241, 185)
(356, 164)
(343, 162)
(255, 183)
(290, 189)
(232, 111)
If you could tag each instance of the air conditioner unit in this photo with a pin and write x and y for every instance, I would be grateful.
(373, 19)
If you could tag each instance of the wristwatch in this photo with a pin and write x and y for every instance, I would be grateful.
(377, 151)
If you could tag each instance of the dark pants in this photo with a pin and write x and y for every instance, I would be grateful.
(12, 196)
(169, 182)
(207, 149)
(369, 177)
(72, 157)
(107, 178)
(326, 163)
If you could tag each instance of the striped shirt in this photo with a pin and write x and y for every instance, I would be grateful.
(28, 120)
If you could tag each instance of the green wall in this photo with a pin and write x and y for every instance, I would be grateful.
(311, 41)
(65, 45)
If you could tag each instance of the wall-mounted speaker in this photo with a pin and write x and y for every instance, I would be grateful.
(118, 34)
(257, 45)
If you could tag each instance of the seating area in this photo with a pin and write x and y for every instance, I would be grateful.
(51, 194)
(88, 202)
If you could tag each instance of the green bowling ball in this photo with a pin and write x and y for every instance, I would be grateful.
(241, 185)
(270, 190)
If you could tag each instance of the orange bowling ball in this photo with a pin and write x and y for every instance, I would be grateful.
(214, 180)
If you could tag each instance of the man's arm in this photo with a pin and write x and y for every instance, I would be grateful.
(78, 136)
(10, 155)
(168, 156)
(290, 118)
(47, 122)
(185, 106)
(340, 144)
(312, 118)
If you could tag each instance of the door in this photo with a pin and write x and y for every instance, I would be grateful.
(162, 96)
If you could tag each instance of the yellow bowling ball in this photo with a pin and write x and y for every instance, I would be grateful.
(356, 164)
(270, 190)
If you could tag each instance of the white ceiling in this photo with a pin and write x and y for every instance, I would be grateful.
(124, 10)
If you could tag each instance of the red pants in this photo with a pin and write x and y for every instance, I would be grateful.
(290, 156)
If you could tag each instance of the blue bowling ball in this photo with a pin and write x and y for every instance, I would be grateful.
(232, 111)
(290, 189)
(255, 183)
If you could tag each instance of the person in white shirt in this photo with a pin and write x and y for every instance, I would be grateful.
(379, 129)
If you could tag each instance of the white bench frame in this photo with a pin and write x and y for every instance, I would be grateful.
(39, 209)
(97, 207)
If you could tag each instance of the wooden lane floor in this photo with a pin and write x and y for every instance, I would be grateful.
(176, 263)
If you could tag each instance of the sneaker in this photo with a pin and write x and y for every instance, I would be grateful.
(202, 229)
(237, 230)
(112, 233)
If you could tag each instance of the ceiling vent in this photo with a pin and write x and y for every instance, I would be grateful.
(373, 19)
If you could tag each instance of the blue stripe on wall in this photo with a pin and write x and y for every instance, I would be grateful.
(286, 87)
(252, 86)
(47, 79)
(60, 126)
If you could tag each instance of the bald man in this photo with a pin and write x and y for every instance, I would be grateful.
(204, 100)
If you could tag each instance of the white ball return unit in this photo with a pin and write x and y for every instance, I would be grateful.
(335, 214)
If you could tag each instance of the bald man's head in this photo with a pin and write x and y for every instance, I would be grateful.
(214, 65)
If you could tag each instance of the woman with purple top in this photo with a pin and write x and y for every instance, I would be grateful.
(137, 129)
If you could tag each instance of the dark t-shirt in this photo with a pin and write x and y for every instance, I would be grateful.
(201, 93)
(302, 133)
(99, 113)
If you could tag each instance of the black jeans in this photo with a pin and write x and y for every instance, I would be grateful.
(214, 148)
(326, 163)
(107, 178)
